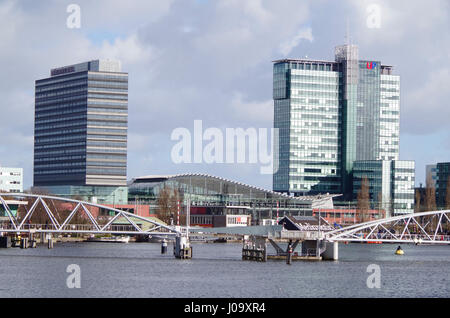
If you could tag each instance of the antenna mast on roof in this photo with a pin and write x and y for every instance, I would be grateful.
(347, 33)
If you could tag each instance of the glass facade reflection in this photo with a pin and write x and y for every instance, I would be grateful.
(391, 184)
(329, 115)
(81, 119)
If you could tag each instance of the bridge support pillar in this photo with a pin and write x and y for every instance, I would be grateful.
(331, 251)
(24, 242)
(182, 248)
(5, 242)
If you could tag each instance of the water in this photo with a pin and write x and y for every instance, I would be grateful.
(139, 270)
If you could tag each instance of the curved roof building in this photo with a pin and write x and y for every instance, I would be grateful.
(218, 196)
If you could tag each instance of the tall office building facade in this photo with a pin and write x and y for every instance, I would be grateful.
(329, 115)
(81, 119)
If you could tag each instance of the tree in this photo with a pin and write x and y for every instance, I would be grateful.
(417, 203)
(363, 200)
(430, 195)
(168, 205)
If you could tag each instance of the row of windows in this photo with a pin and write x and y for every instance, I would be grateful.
(59, 171)
(318, 78)
(112, 117)
(62, 125)
(117, 157)
(106, 123)
(69, 144)
(105, 89)
(116, 131)
(82, 82)
(107, 137)
(319, 86)
(62, 164)
(108, 109)
(63, 111)
(60, 158)
(101, 102)
(82, 118)
(55, 80)
(107, 171)
(60, 138)
(108, 96)
(92, 149)
(107, 84)
(107, 143)
(59, 92)
(57, 106)
(46, 153)
(108, 77)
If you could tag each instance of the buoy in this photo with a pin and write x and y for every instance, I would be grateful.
(399, 251)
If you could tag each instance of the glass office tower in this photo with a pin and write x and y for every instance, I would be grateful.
(329, 115)
(81, 119)
(306, 100)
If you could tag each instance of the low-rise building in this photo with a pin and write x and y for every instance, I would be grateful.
(11, 180)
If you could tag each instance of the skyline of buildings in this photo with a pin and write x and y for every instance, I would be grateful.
(92, 140)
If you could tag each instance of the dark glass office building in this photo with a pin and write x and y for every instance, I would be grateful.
(80, 133)
(329, 115)
(442, 181)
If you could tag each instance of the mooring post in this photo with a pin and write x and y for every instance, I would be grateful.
(289, 254)
(50, 241)
(265, 251)
(163, 247)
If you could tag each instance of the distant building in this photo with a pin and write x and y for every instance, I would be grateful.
(80, 132)
(442, 179)
(11, 180)
(391, 184)
(431, 174)
(213, 197)
(342, 217)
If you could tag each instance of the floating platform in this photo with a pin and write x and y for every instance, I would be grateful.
(295, 258)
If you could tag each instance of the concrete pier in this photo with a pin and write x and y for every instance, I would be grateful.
(254, 249)
(24, 242)
(331, 251)
(182, 248)
(5, 242)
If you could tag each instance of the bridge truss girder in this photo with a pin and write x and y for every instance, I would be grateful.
(56, 226)
(429, 228)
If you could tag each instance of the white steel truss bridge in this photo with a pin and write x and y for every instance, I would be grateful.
(425, 228)
(61, 213)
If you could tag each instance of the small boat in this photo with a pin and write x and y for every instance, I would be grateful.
(399, 251)
(112, 239)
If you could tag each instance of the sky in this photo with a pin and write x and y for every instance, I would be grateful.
(211, 60)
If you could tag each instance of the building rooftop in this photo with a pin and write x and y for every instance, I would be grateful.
(228, 186)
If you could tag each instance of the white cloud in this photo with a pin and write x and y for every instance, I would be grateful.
(303, 34)
(254, 111)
